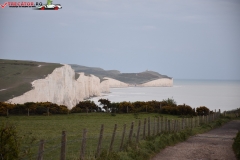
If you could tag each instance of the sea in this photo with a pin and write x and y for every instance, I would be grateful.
(214, 94)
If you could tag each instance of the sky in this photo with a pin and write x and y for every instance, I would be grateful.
(184, 39)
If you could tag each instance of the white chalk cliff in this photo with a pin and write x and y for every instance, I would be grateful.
(113, 83)
(60, 87)
(162, 82)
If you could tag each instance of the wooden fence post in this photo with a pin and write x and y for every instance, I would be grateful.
(100, 141)
(123, 135)
(182, 123)
(113, 137)
(130, 133)
(197, 120)
(40, 150)
(179, 124)
(63, 146)
(149, 127)
(191, 119)
(158, 125)
(83, 145)
(138, 131)
(144, 128)
(48, 111)
(28, 111)
(162, 123)
(175, 125)
(7, 112)
(154, 127)
(166, 124)
(169, 125)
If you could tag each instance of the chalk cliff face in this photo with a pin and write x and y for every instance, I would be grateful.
(60, 87)
(113, 83)
(104, 86)
(163, 82)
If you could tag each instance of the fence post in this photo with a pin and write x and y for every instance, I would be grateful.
(148, 126)
(28, 111)
(173, 125)
(169, 125)
(7, 112)
(154, 127)
(162, 123)
(123, 135)
(166, 124)
(179, 124)
(100, 141)
(158, 125)
(113, 137)
(176, 125)
(83, 145)
(48, 111)
(144, 128)
(63, 146)
(197, 120)
(191, 122)
(131, 132)
(138, 131)
(183, 123)
(40, 150)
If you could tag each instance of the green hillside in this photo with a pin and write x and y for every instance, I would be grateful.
(16, 76)
(131, 78)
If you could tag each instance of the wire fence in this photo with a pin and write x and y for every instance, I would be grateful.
(87, 145)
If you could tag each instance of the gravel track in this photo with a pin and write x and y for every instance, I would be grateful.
(213, 145)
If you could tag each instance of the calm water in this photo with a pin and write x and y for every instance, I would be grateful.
(214, 94)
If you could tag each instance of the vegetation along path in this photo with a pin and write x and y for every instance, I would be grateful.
(213, 145)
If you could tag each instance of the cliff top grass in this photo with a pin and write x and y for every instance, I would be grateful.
(16, 76)
(130, 78)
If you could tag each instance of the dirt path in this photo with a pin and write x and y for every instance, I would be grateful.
(213, 145)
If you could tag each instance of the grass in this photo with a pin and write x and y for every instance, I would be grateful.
(153, 145)
(16, 76)
(49, 128)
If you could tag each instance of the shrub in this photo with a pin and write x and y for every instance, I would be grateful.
(39, 108)
(236, 145)
(202, 110)
(9, 143)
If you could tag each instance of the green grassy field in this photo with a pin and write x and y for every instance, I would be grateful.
(49, 128)
(16, 76)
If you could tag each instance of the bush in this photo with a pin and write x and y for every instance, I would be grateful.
(9, 143)
(202, 110)
(236, 145)
(38, 108)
